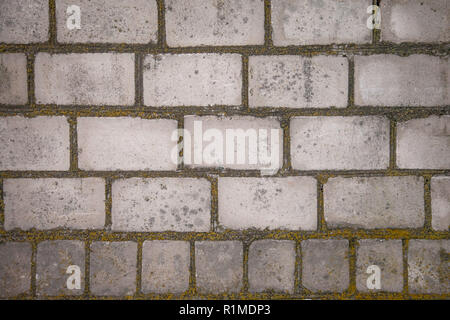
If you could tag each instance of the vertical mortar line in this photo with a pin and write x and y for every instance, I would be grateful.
(245, 281)
(161, 24)
(405, 246)
(393, 145)
(33, 267)
(298, 268)
(108, 203)
(2, 207)
(52, 22)
(30, 79)
(245, 82)
(138, 79)
(139, 267)
(351, 81)
(285, 124)
(192, 276)
(87, 269)
(180, 164)
(427, 203)
(321, 223)
(376, 33)
(214, 203)
(353, 245)
(73, 134)
(268, 24)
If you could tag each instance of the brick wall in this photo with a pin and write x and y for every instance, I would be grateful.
(91, 118)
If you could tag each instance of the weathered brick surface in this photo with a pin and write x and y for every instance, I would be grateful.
(85, 79)
(415, 20)
(298, 22)
(24, 21)
(13, 72)
(192, 79)
(261, 150)
(113, 268)
(109, 21)
(165, 266)
(385, 254)
(390, 80)
(48, 203)
(15, 268)
(218, 266)
(341, 143)
(271, 266)
(40, 143)
(424, 143)
(298, 82)
(374, 202)
(428, 266)
(216, 23)
(274, 203)
(161, 204)
(52, 267)
(122, 143)
(325, 265)
(440, 203)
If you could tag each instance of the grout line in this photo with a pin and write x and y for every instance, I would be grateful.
(139, 268)
(108, 203)
(180, 127)
(161, 25)
(31, 57)
(87, 268)
(351, 81)
(192, 276)
(405, 245)
(245, 279)
(139, 79)
(214, 203)
(321, 222)
(245, 88)
(2, 207)
(353, 245)
(298, 269)
(427, 203)
(285, 124)
(52, 33)
(73, 134)
(267, 24)
(393, 145)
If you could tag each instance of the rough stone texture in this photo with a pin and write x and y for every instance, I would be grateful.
(325, 265)
(218, 266)
(440, 203)
(216, 23)
(340, 143)
(109, 21)
(264, 134)
(192, 79)
(298, 82)
(161, 204)
(374, 202)
(388, 256)
(271, 266)
(49, 203)
(300, 22)
(40, 143)
(415, 20)
(53, 258)
(15, 268)
(24, 21)
(126, 143)
(113, 268)
(85, 78)
(428, 266)
(13, 72)
(424, 143)
(274, 203)
(390, 80)
(165, 266)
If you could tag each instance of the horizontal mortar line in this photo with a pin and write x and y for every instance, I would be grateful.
(205, 172)
(174, 112)
(244, 235)
(248, 296)
(329, 49)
